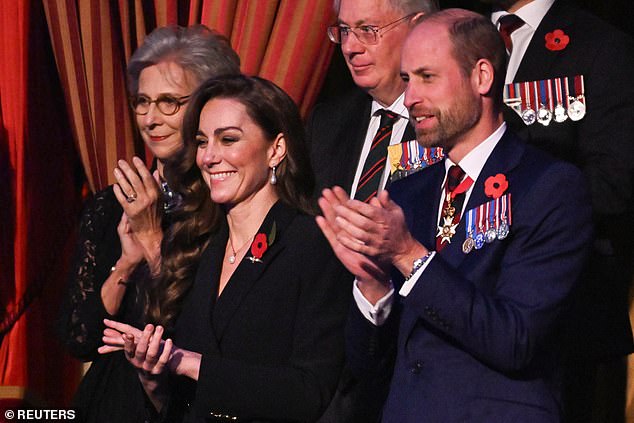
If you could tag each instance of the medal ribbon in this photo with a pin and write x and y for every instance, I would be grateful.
(526, 98)
(481, 220)
(567, 93)
(580, 88)
(558, 91)
(543, 99)
(491, 213)
(550, 95)
(405, 155)
(470, 228)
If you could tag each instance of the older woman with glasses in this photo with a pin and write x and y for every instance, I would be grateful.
(122, 226)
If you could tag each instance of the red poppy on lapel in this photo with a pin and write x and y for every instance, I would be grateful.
(496, 185)
(557, 40)
(261, 243)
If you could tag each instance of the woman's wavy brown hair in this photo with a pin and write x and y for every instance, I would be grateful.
(274, 112)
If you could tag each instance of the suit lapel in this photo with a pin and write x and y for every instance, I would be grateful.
(409, 133)
(354, 135)
(194, 322)
(427, 224)
(248, 273)
(538, 60)
(212, 264)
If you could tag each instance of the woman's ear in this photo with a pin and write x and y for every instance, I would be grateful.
(278, 150)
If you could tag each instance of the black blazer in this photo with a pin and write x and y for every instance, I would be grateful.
(602, 146)
(336, 131)
(272, 343)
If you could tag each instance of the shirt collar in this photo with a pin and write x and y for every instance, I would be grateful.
(474, 161)
(397, 107)
(532, 13)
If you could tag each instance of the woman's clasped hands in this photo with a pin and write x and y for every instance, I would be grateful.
(145, 349)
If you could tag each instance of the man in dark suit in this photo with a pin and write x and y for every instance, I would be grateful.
(341, 132)
(601, 143)
(479, 313)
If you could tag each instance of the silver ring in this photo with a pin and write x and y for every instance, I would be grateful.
(131, 198)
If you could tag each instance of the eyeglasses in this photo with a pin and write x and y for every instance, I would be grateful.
(167, 104)
(366, 34)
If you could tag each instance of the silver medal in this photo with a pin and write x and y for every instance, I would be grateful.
(544, 116)
(577, 110)
(560, 113)
(503, 230)
(529, 116)
(490, 235)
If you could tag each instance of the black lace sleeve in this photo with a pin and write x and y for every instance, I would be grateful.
(98, 249)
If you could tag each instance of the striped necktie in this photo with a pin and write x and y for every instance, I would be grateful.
(375, 162)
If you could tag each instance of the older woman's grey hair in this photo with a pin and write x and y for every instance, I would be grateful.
(201, 52)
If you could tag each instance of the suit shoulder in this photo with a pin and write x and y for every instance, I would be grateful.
(413, 185)
(594, 25)
(303, 230)
(538, 171)
(590, 30)
(341, 106)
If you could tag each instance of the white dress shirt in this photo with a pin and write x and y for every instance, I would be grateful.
(397, 135)
(532, 15)
(472, 164)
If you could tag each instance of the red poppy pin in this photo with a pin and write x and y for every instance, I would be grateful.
(557, 40)
(261, 243)
(495, 186)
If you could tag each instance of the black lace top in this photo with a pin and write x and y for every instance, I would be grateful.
(98, 249)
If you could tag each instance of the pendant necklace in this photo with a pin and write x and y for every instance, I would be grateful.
(232, 257)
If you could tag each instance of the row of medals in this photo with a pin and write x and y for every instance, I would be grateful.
(485, 236)
(576, 109)
(488, 235)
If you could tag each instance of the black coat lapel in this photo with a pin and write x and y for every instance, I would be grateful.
(249, 272)
(538, 60)
(353, 136)
(192, 328)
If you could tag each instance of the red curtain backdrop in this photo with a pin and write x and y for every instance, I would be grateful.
(38, 207)
(65, 119)
(281, 40)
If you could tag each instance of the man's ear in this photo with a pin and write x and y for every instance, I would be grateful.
(483, 76)
(414, 20)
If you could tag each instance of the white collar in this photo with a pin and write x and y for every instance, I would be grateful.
(397, 107)
(531, 13)
(474, 161)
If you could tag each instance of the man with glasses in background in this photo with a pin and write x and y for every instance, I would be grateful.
(350, 134)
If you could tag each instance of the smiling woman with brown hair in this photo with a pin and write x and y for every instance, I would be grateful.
(260, 335)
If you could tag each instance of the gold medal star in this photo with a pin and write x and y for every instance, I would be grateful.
(447, 230)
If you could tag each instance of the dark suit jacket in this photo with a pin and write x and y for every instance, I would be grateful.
(602, 146)
(272, 343)
(336, 131)
(478, 333)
